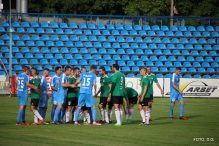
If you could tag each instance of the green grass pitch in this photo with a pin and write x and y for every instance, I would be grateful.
(203, 122)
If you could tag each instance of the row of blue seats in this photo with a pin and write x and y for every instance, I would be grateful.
(128, 75)
(99, 45)
(64, 61)
(110, 27)
(128, 69)
(114, 33)
(110, 39)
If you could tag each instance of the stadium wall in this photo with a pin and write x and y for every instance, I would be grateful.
(207, 88)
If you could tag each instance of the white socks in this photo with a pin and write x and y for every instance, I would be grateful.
(127, 115)
(67, 116)
(106, 116)
(121, 115)
(132, 112)
(110, 113)
(88, 118)
(147, 113)
(149, 109)
(102, 114)
(142, 115)
(36, 113)
(35, 119)
(74, 116)
(117, 113)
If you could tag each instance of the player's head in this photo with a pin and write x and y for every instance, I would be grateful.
(143, 72)
(83, 69)
(45, 72)
(149, 70)
(178, 71)
(93, 68)
(115, 67)
(76, 71)
(33, 71)
(67, 70)
(102, 71)
(58, 71)
(72, 72)
(26, 70)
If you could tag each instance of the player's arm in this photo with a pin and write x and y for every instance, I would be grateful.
(144, 92)
(66, 84)
(52, 85)
(97, 92)
(95, 86)
(174, 86)
(41, 93)
(109, 96)
(32, 86)
(127, 102)
(124, 107)
(158, 85)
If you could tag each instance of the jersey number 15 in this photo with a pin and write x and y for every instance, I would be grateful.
(86, 82)
(21, 83)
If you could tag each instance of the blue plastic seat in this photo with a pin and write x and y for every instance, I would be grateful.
(135, 69)
(144, 58)
(215, 76)
(164, 70)
(45, 50)
(164, 28)
(102, 51)
(186, 53)
(188, 34)
(181, 59)
(211, 41)
(215, 34)
(6, 37)
(59, 31)
(189, 47)
(121, 52)
(44, 25)
(208, 47)
(121, 63)
(116, 57)
(44, 38)
(74, 38)
(68, 56)
(192, 70)
(203, 53)
(143, 46)
(155, 69)
(79, 45)
(78, 32)
(119, 27)
(54, 38)
(44, 62)
(40, 31)
(146, 28)
(4, 50)
(54, 50)
(139, 40)
(106, 33)
(130, 75)
(19, 30)
(174, 28)
(176, 53)
(172, 59)
(130, 52)
(157, 40)
(163, 58)
(170, 34)
(78, 57)
(101, 27)
(206, 65)
(19, 56)
(87, 32)
(35, 38)
(17, 68)
(14, 62)
(83, 62)
(50, 44)
(197, 76)
(40, 56)
(202, 41)
(97, 45)
(50, 31)
(97, 57)
(69, 32)
(153, 58)
(196, 64)
(94, 62)
(216, 59)
(139, 52)
(3, 30)
(198, 47)
(128, 27)
(152, 34)
(158, 53)
(96, 32)
(64, 51)
(201, 70)
(184, 41)
(148, 41)
(149, 63)
(206, 34)
(70, 44)
(159, 64)
(111, 39)
(148, 52)
(83, 39)
(214, 65)
(138, 75)
(125, 58)
(108, 69)
(7, 43)
(40, 44)
(201, 28)
(187, 76)
(167, 52)
(14, 24)
(115, 33)
(155, 28)
(124, 33)
(102, 63)
(54, 25)
(107, 46)
(24, 62)
(116, 46)
(73, 62)
(64, 38)
(73, 26)
(58, 56)
(110, 27)
(25, 24)
(210, 29)
(140, 64)
(35, 25)
(197, 34)
(213, 53)
(210, 70)
(179, 34)
(163, 47)
(82, 26)
(125, 45)
(120, 40)
(175, 41)
(166, 41)
(168, 64)
(137, 28)
(25, 50)
(207, 76)
(107, 57)
(161, 34)
(142, 33)
(191, 28)
(182, 28)
(129, 40)
(63, 26)
(30, 30)
(180, 47)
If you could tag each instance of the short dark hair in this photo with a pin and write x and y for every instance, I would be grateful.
(34, 69)
(46, 69)
(83, 67)
(67, 67)
(178, 68)
(76, 68)
(148, 67)
(93, 67)
(116, 66)
(57, 68)
(25, 68)
(145, 69)
(103, 68)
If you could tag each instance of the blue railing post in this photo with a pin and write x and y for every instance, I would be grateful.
(90, 19)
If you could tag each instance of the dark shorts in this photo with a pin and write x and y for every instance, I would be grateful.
(72, 101)
(103, 101)
(110, 103)
(151, 98)
(34, 102)
(145, 102)
(83, 108)
(133, 100)
(117, 99)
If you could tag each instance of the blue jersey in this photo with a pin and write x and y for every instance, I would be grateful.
(43, 83)
(62, 90)
(87, 79)
(55, 83)
(21, 85)
(174, 78)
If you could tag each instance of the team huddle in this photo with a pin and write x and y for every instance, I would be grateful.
(72, 94)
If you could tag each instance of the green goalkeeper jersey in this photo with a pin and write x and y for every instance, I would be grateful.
(36, 82)
(130, 92)
(144, 82)
(71, 91)
(152, 78)
(119, 79)
(105, 82)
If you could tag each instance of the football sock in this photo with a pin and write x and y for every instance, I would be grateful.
(127, 114)
(36, 113)
(94, 114)
(142, 115)
(19, 115)
(67, 116)
(82, 115)
(117, 112)
(121, 115)
(35, 119)
(44, 114)
(63, 113)
(149, 109)
(59, 117)
(57, 111)
(52, 113)
(110, 113)
(72, 114)
(102, 114)
(77, 114)
(147, 117)
(40, 111)
(106, 116)
(88, 118)
(132, 112)
(23, 116)
(181, 108)
(171, 111)
(90, 113)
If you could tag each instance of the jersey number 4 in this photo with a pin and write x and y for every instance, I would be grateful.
(86, 82)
